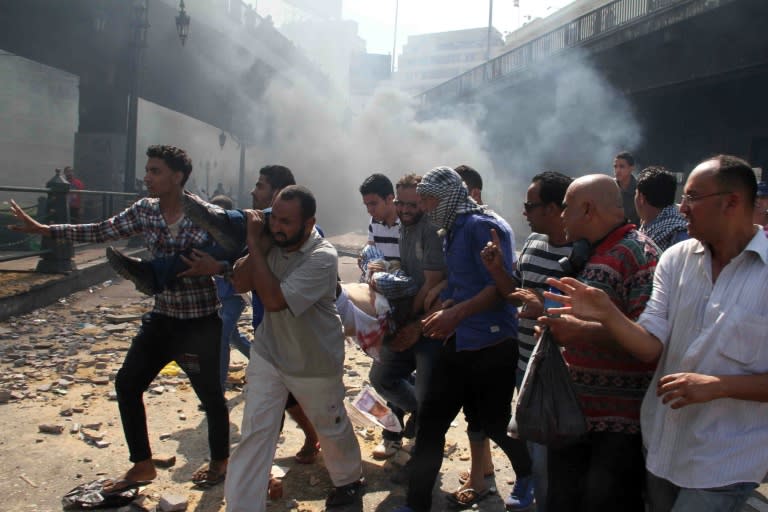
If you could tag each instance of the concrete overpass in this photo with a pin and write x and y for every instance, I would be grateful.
(694, 72)
(118, 47)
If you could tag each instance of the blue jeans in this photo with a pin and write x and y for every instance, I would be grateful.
(664, 496)
(539, 459)
(391, 377)
(231, 309)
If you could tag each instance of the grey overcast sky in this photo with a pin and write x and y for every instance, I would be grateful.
(376, 18)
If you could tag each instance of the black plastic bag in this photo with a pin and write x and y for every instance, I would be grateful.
(548, 411)
(89, 496)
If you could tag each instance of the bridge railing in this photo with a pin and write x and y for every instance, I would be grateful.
(96, 205)
(590, 26)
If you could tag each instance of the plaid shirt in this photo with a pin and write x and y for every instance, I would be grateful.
(185, 297)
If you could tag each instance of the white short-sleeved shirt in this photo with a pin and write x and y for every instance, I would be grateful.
(719, 329)
(306, 338)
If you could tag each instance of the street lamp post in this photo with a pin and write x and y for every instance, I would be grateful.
(182, 23)
(140, 26)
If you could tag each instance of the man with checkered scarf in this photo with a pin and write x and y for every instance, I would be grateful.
(476, 366)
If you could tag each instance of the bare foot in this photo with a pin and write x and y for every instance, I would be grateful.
(141, 473)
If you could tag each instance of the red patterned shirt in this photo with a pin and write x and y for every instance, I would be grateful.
(611, 383)
(185, 297)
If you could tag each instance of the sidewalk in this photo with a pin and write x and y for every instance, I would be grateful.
(23, 290)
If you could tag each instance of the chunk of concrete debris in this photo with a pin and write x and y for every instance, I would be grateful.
(164, 461)
(172, 503)
(50, 429)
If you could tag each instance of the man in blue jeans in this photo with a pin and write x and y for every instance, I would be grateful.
(475, 368)
(422, 261)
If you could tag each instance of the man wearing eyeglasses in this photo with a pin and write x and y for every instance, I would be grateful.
(705, 415)
(423, 264)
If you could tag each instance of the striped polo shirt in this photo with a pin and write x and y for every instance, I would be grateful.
(386, 238)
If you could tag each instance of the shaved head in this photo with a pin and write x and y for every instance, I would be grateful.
(593, 207)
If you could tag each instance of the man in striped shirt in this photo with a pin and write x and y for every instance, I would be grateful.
(538, 261)
(384, 228)
(183, 325)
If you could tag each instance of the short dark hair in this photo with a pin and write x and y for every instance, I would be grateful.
(175, 158)
(304, 196)
(377, 184)
(470, 177)
(552, 186)
(657, 185)
(408, 181)
(278, 176)
(736, 173)
(627, 156)
(223, 201)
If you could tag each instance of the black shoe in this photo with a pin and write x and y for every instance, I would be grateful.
(346, 494)
(136, 270)
(215, 221)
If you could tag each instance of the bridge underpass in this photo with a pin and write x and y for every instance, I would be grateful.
(229, 59)
(692, 72)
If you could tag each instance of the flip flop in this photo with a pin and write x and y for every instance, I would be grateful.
(123, 485)
(209, 480)
(467, 497)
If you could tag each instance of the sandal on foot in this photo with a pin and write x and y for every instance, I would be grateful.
(205, 478)
(464, 476)
(307, 454)
(467, 497)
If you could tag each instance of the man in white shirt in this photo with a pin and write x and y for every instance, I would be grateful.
(705, 416)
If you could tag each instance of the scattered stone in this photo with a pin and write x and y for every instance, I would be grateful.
(118, 328)
(44, 388)
(87, 459)
(66, 411)
(157, 390)
(172, 503)
(117, 319)
(5, 395)
(75, 428)
(165, 435)
(164, 461)
(100, 365)
(43, 345)
(449, 449)
(112, 395)
(92, 426)
(50, 429)
(182, 417)
(19, 362)
(353, 373)
(102, 444)
(99, 380)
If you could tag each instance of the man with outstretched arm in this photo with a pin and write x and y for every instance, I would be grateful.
(705, 416)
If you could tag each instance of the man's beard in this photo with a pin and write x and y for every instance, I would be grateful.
(290, 242)
(415, 218)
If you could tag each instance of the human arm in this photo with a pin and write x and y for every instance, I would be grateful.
(200, 263)
(493, 260)
(442, 323)
(251, 272)
(681, 389)
(588, 304)
(431, 279)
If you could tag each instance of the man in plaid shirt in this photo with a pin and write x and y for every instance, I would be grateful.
(183, 325)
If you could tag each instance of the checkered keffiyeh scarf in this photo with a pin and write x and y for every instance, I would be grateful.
(445, 184)
(665, 226)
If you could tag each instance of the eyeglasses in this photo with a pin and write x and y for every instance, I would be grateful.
(530, 206)
(688, 198)
(409, 204)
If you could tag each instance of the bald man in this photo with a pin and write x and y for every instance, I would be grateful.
(604, 470)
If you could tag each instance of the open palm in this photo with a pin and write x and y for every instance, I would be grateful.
(578, 299)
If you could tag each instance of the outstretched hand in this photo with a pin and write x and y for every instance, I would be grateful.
(28, 224)
(579, 300)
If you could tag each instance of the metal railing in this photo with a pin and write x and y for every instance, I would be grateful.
(604, 20)
(96, 205)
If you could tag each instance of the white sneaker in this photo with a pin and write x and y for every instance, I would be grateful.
(386, 449)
